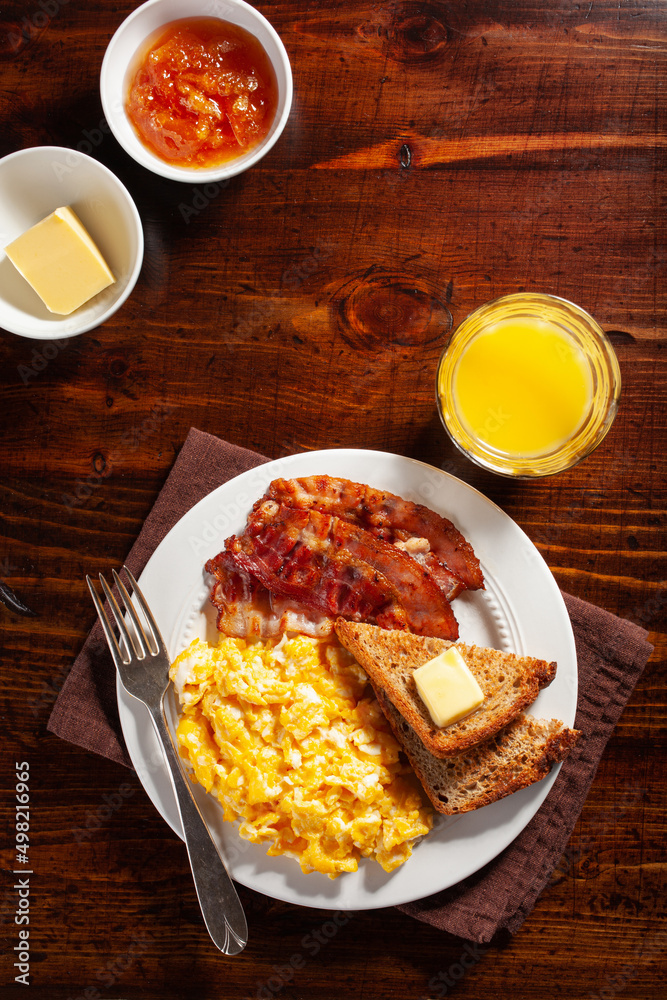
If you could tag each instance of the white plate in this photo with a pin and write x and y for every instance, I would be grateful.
(520, 611)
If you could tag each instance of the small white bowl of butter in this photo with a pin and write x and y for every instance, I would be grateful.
(34, 184)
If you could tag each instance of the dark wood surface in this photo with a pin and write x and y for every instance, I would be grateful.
(438, 154)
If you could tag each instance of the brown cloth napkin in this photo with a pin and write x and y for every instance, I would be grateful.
(611, 652)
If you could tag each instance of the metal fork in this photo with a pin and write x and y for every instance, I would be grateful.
(142, 662)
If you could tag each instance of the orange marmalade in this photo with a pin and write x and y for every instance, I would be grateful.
(204, 92)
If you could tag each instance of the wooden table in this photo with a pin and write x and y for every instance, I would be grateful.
(437, 155)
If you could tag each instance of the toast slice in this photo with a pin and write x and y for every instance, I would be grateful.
(519, 755)
(389, 657)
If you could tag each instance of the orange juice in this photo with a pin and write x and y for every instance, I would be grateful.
(522, 387)
(528, 385)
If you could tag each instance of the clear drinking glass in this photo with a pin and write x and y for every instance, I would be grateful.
(528, 385)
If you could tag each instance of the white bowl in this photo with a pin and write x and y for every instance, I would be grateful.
(33, 183)
(131, 36)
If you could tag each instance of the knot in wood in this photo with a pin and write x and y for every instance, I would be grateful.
(381, 308)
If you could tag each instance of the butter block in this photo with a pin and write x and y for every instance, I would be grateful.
(448, 688)
(61, 262)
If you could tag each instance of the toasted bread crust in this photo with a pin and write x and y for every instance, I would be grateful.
(519, 755)
(510, 683)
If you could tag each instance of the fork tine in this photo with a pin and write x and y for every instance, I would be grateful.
(138, 627)
(128, 639)
(148, 614)
(118, 657)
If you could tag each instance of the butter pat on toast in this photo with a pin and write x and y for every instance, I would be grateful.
(509, 683)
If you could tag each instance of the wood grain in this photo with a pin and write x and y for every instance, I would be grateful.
(438, 155)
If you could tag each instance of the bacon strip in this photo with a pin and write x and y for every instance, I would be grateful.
(247, 609)
(336, 567)
(388, 517)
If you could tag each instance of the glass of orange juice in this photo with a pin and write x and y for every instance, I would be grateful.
(528, 385)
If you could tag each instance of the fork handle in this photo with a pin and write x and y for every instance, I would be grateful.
(218, 899)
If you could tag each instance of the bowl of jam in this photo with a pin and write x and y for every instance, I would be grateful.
(196, 91)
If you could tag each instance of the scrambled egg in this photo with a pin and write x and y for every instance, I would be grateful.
(284, 737)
